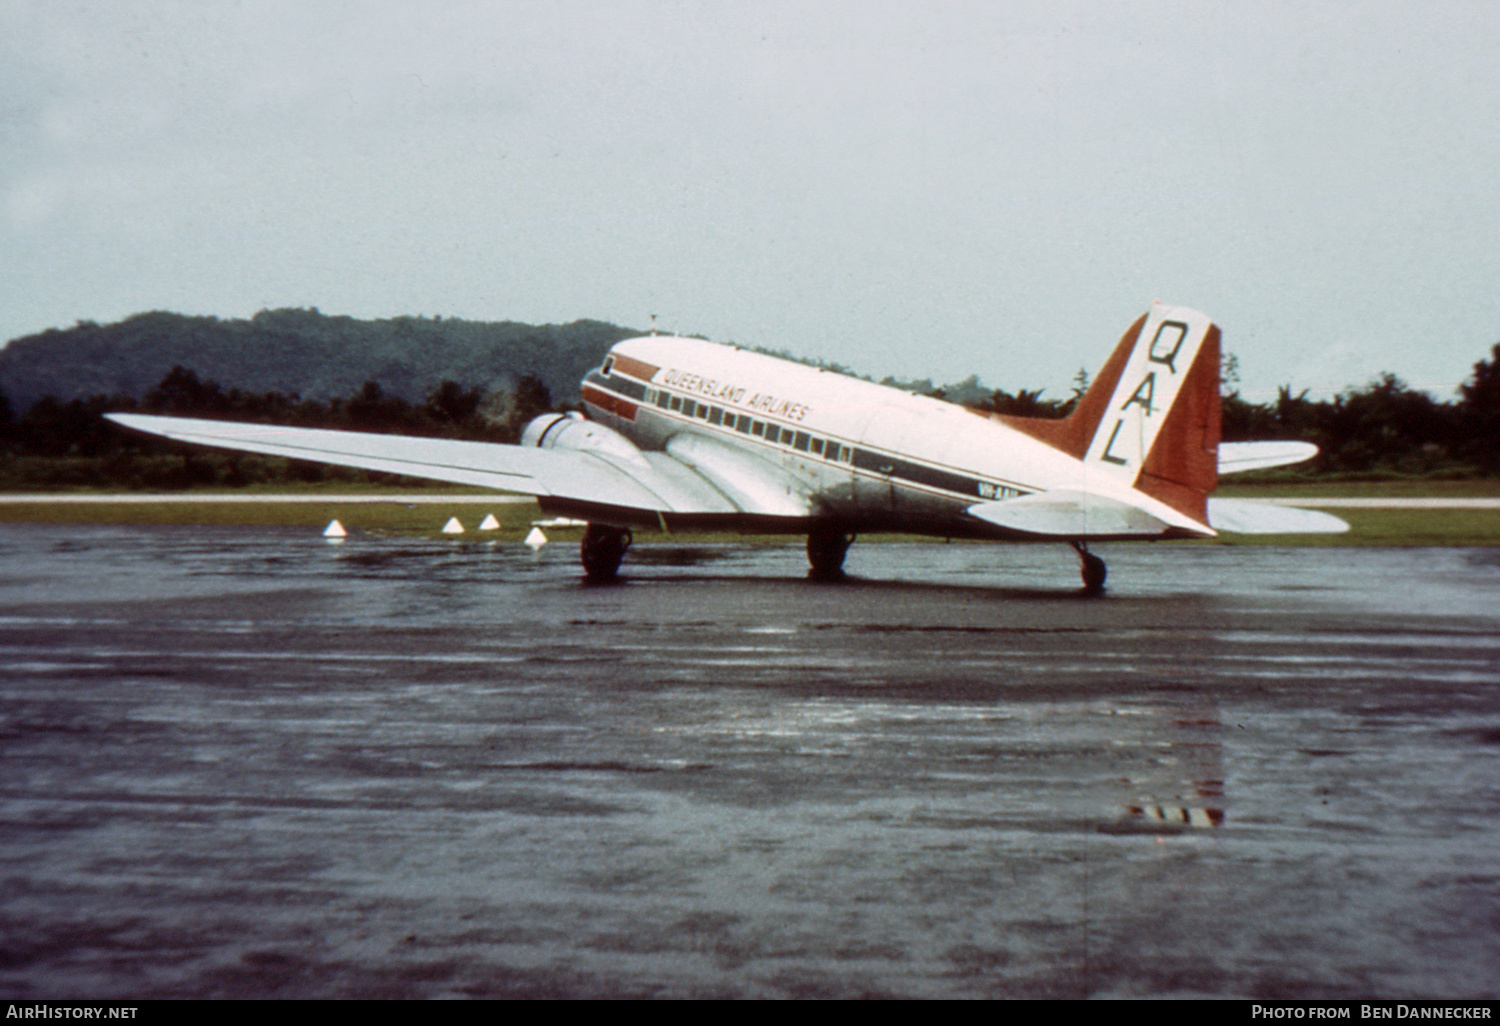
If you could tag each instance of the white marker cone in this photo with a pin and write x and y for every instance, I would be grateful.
(334, 530)
(453, 526)
(489, 523)
(536, 539)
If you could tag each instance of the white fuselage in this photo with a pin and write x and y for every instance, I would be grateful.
(826, 445)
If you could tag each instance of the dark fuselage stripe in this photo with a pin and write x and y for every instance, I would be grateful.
(617, 383)
(635, 368)
(607, 401)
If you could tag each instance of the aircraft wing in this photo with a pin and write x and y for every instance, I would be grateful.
(1238, 457)
(656, 484)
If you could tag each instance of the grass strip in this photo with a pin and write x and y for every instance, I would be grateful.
(1390, 527)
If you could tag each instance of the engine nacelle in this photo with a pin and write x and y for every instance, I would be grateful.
(574, 431)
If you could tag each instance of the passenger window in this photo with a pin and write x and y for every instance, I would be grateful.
(676, 403)
(743, 425)
(817, 446)
(715, 415)
(800, 440)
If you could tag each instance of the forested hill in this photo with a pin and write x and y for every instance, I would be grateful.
(302, 352)
(484, 380)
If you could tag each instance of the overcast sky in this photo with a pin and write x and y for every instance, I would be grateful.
(925, 189)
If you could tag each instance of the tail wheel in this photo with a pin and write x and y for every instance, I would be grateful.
(826, 546)
(1094, 572)
(1091, 569)
(602, 549)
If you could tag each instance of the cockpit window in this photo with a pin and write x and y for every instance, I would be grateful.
(609, 363)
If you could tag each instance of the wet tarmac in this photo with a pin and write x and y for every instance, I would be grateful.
(251, 763)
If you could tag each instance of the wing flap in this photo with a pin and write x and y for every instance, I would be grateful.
(751, 483)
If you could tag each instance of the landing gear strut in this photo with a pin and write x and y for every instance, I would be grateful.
(1092, 569)
(826, 545)
(602, 549)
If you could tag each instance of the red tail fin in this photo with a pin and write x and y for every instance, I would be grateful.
(1151, 417)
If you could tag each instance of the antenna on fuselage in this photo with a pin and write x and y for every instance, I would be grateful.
(653, 325)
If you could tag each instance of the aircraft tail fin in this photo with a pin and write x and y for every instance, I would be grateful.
(1150, 420)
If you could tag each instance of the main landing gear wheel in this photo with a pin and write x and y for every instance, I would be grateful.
(602, 549)
(826, 545)
(1092, 569)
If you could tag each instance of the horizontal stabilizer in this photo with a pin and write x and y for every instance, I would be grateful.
(1245, 516)
(1064, 514)
(1238, 457)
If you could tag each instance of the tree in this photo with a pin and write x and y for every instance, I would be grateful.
(453, 406)
(182, 394)
(373, 410)
(1081, 383)
(1479, 413)
(530, 399)
(1386, 426)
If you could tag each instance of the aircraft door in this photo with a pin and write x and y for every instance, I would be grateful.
(877, 483)
(874, 486)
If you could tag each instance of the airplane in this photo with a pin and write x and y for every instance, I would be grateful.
(688, 434)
